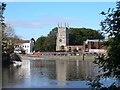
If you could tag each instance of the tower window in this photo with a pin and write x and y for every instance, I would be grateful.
(60, 40)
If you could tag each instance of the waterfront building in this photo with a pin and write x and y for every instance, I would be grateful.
(75, 47)
(94, 45)
(24, 45)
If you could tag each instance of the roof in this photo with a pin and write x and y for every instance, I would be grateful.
(96, 40)
(25, 41)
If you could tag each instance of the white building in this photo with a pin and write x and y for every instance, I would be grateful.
(25, 45)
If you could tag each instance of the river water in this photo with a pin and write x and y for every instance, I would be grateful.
(50, 74)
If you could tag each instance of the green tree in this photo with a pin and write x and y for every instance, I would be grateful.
(111, 25)
(51, 39)
(75, 50)
(53, 32)
(40, 44)
(78, 35)
(110, 65)
(47, 43)
(62, 48)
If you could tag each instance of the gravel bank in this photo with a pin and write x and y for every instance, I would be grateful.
(50, 57)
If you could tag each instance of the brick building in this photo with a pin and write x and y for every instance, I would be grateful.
(77, 47)
(94, 45)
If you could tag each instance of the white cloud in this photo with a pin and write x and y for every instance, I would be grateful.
(42, 22)
(24, 24)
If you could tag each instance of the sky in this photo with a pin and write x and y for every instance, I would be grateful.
(35, 19)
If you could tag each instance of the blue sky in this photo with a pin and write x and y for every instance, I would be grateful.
(34, 19)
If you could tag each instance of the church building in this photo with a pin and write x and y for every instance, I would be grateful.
(62, 42)
(62, 38)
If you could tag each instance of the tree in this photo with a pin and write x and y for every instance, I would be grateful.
(110, 65)
(75, 50)
(2, 24)
(111, 25)
(9, 39)
(51, 39)
(40, 44)
(6, 32)
(53, 32)
(2, 8)
(78, 35)
(62, 47)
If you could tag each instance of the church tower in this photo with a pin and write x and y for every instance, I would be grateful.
(62, 37)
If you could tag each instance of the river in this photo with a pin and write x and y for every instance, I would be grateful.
(50, 74)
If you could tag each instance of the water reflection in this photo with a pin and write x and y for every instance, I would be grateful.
(49, 73)
(81, 70)
(61, 72)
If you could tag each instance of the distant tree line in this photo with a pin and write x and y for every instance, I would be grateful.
(76, 37)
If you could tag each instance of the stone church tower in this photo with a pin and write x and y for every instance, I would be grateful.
(62, 37)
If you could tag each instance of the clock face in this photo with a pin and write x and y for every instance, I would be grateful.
(60, 40)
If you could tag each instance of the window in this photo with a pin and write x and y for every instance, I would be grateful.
(60, 40)
(69, 48)
(92, 45)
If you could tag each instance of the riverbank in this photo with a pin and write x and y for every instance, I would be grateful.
(50, 57)
(9, 58)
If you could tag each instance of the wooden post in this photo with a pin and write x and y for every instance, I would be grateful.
(83, 57)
